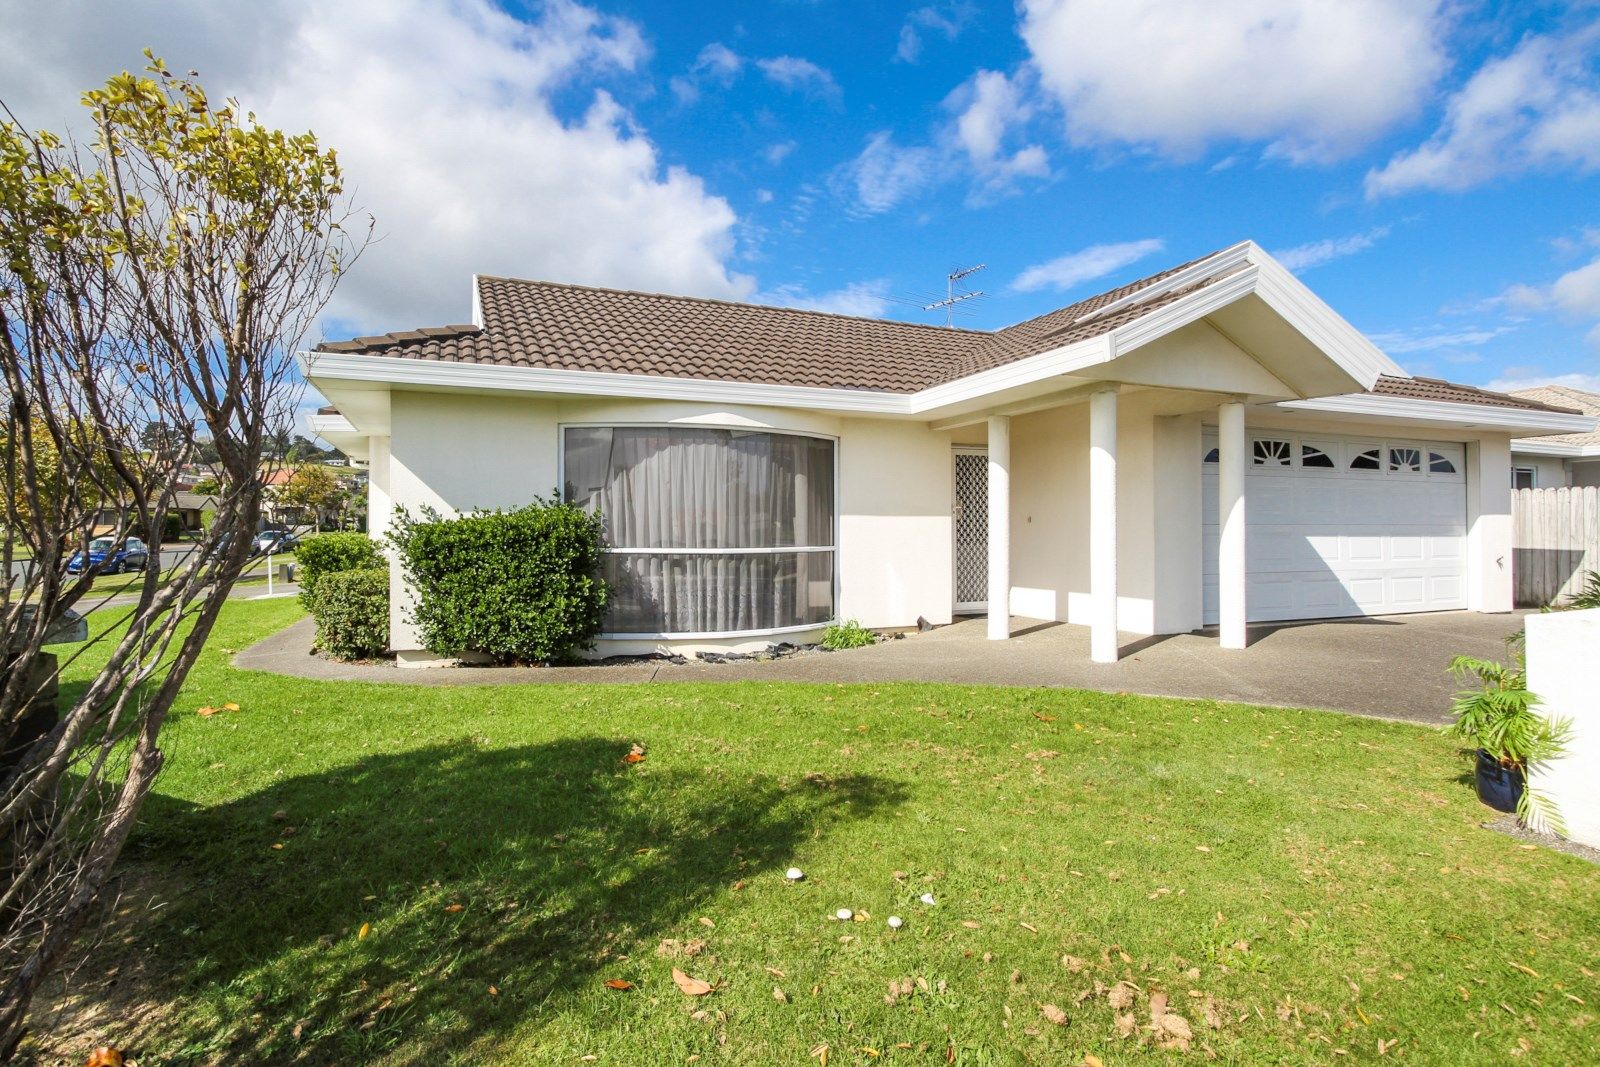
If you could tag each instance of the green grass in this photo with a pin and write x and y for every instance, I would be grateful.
(1321, 879)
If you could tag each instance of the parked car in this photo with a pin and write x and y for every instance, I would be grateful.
(107, 557)
(275, 541)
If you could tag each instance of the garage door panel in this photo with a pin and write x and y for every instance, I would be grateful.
(1325, 542)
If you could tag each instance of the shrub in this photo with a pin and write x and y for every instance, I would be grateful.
(352, 612)
(316, 557)
(1589, 595)
(847, 634)
(171, 527)
(1496, 714)
(517, 586)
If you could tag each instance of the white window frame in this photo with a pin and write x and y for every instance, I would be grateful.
(561, 474)
(1531, 472)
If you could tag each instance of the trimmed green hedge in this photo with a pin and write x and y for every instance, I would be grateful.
(518, 586)
(330, 553)
(352, 613)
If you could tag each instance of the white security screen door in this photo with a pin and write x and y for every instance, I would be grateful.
(1340, 526)
(970, 517)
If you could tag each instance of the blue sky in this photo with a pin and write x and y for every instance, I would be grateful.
(1430, 169)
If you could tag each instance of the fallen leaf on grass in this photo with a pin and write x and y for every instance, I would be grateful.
(1091, 1060)
(820, 1052)
(692, 987)
(104, 1056)
(704, 921)
(1053, 1014)
(1044, 718)
(366, 928)
(494, 991)
(206, 712)
(1525, 969)
(230, 707)
(779, 995)
(633, 757)
(277, 846)
(452, 908)
(618, 984)
(970, 925)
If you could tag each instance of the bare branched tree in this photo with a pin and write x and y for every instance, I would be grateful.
(161, 273)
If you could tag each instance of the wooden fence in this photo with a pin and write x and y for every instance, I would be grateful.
(1556, 534)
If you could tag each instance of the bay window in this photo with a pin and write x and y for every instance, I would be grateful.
(708, 531)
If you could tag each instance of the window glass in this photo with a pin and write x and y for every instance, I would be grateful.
(1211, 455)
(1269, 453)
(1438, 464)
(1405, 459)
(1312, 456)
(1366, 461)
(1522, 478)
(660, 489)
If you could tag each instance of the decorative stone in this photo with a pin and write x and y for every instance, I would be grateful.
(795, 874)
(895, 922)
(844, 915)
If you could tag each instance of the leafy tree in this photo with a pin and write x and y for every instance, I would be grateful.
(311, 487)
(162, 272)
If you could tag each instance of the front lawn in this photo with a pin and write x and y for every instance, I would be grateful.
(343, 873)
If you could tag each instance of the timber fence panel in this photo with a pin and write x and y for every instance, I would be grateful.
(1556, 535)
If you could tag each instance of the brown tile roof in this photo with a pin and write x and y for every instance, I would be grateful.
(585, 328)
(1439, 389)
(1568, 397)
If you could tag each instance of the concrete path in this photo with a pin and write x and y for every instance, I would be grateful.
(1390, 667)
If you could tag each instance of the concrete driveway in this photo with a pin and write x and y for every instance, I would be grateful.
(1391, 667)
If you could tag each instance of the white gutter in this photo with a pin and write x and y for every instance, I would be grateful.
(1535, 446)
(1404, 407)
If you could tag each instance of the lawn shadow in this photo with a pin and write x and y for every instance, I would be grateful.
(561, 857)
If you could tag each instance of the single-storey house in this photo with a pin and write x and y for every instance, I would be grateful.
(1561, 459)
(1208, 445)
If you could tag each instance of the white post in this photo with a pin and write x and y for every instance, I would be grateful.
(999, 527)
(1231, 577)
(1103, 525)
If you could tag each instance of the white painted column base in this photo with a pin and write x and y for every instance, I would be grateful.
(1103, 525)
(1233, 610)
(999, 527)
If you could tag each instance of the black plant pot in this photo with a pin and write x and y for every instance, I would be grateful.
(1499, 787)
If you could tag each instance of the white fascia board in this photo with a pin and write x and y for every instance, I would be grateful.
(1052, 364)
(1325, 328)
(1181, 312)
(1536, 446)
(1480, 415)
(1225, 260)
(321, 424)
(430, 374)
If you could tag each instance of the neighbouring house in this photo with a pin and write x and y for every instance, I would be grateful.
(1560, 459)
(1209, 445)
(191, 508)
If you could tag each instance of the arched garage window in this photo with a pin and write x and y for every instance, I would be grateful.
(709, 531)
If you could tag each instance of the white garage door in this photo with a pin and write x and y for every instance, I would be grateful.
(1345, 526)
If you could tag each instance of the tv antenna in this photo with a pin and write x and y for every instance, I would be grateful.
(951, 297)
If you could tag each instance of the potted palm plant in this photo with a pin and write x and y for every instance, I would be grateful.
(1496, 715)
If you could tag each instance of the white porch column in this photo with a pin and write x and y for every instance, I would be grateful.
(999, 527)
(1103, 525)
(1231, 463)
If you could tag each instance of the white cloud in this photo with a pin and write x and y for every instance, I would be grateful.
(1315, 253)
(1537, 108)
(1096, 261)
(868, 299)
(884, 175)
(441, 111)
(1429, 341)
(1575, 295)
(988, 107)
(778, 152)
(716, 63)
(947, 18)
(800, 75)
(1316, 80)
(1528, 379)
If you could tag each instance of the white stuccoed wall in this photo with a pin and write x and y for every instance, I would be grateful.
(1564, 671)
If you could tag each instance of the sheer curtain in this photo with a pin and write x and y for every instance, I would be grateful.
(756, 508)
